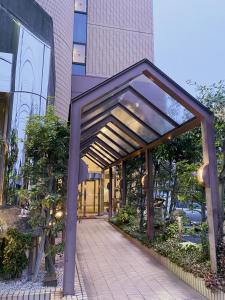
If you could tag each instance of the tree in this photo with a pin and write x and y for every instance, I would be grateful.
(10, 173)
(45, 171)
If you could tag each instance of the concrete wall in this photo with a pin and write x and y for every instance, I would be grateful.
(120, 33)
(61, 12)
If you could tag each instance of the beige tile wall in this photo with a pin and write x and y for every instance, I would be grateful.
(120, 33)
(61, 12)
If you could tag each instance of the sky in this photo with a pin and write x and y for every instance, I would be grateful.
(189, 40)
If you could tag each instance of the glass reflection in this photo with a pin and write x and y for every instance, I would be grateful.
(161, 99)
(123, 135)
(80, 28)
(145, 113)
(5, 72)
(105, 106)
(94, 160)
(92, 123)
(111, 144)
(80, 5)
(118, 140)
(31, 86)
(100, 150)
(79, 53)
(134, 125)
(101, 155)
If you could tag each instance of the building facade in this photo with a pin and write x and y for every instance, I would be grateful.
(62, 16)
(109, 36)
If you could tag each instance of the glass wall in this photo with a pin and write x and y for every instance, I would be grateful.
(31, 85)
(25, 66)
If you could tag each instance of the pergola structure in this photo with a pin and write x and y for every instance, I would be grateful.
(129, 113)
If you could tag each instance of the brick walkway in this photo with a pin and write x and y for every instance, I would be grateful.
(114, 268)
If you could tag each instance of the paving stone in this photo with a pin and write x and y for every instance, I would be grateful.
(114, 268)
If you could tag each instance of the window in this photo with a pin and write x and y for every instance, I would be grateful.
(80, 5)
(79, 37)
(80, 28)
(79, 53)
(78, 69)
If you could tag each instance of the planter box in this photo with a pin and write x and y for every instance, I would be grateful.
(195, 282)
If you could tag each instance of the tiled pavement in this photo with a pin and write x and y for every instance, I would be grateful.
(114, 268)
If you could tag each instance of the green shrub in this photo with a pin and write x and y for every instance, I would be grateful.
(13, 256)
(126, 215)
(171, 231)
(186, 255)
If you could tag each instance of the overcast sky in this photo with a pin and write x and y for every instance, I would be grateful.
(190, 40)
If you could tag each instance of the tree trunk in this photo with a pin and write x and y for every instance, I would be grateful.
(41, 249)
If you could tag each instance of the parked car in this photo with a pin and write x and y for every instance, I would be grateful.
(193, 212)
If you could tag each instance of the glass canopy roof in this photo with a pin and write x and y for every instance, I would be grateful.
(134, 115)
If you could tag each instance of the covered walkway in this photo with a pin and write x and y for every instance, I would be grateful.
(114, 268)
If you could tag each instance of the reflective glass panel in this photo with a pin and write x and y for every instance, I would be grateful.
(123, 135)
(93, 159)
(134, 125)
(92, 123)
(31, 85)
(106, 105)
(105, 97)
(80, 28)
(79, 53)
(80, 5)
(161, 99)
(5, 72)
(111, 144)
(145, 113)
(101, 155)
(97, 143)
(32, 64)
(46, 67)
(118, 140)
(103, 152)
(78, 70)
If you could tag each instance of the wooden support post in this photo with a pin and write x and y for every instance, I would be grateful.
(99, 197)
(110, 192)
(149, 194)
(102, 193)
(85, 199)
(71, 203)
(94, 195)
(114, 190)
(124, 184)
(211, 188)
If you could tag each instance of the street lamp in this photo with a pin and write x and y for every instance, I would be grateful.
(59, 214)
(202, 175)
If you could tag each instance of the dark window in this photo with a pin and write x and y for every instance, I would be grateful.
(80, 28)
(80, 5)
(78, 69)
